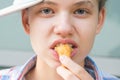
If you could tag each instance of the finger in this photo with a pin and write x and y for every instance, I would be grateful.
(66, 74)
(75, 68)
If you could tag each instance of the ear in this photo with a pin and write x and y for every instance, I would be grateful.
(101, 19)
(25, 21)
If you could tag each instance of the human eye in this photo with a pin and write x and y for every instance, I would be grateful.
(81, 12)
(46, 12)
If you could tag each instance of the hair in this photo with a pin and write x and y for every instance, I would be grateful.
(101, 4)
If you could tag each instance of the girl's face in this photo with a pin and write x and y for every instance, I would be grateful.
(63, 21)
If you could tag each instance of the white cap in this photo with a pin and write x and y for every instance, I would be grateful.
(18, 5)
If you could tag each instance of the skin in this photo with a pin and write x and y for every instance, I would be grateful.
(76, 20)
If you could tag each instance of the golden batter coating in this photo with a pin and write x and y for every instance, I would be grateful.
(64, 49)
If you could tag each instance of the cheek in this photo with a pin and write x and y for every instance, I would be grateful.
(86, 31)
(87, 27)
(39, 35)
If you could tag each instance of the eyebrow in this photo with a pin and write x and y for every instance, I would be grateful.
(81, 3)
(47, 2)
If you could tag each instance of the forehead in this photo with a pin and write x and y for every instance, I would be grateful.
(92, 3)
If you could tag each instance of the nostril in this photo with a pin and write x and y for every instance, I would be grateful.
(63, 31)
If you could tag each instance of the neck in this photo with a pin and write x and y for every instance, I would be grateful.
(44, 72)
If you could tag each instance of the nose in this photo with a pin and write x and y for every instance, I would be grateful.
(63, 27)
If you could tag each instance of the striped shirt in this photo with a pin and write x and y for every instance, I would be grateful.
(19, 72)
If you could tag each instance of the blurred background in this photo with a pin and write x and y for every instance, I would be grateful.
(15, 48)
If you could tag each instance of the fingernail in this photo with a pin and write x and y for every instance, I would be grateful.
(62, 58)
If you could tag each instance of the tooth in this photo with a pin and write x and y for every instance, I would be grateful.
(70, 45)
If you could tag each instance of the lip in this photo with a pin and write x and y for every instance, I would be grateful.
(63, 41)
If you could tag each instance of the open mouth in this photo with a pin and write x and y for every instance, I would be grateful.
(57, 43)
(70, 45)
(64, 47)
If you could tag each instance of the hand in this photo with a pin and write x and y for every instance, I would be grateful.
(72, 71)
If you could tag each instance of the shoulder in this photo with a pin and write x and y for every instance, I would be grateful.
(101, 75)
(7, 74)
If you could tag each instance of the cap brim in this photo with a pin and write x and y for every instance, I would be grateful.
(15, 8)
